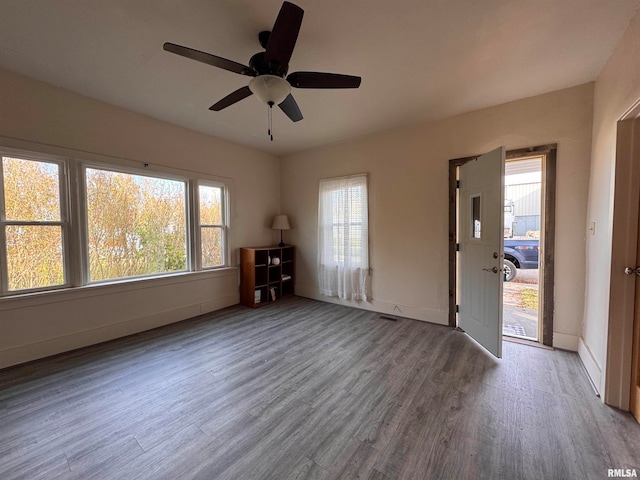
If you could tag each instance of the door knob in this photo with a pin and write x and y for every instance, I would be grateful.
(495, 270)
(631, 271)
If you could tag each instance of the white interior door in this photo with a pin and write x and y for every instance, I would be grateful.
(480, 235)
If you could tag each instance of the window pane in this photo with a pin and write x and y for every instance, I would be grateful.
(356, 244)
(136, 225)
(476, 227)
(210, 205)
(31, 190)
(212, 247)
(347, 215)
(34, 256)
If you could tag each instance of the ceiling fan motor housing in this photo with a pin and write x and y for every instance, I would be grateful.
(263, 67)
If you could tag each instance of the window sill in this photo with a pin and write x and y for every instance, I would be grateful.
(74, 293)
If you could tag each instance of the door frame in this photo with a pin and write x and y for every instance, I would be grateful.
(624, 240)
(548, 154)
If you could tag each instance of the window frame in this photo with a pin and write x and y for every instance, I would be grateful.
(197, 231)
(475, 233)
(84, 213)
(363, 258)
(72, 167)
(64, 222)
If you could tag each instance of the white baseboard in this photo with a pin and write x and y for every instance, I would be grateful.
(219, 303)
(65, 343)
(565, 341)
(407, 311)
(590, 364)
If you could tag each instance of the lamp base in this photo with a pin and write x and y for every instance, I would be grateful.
(282, 244)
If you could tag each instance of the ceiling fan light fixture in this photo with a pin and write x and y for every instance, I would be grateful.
(271, 89)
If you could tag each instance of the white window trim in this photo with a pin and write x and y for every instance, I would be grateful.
(73, 211)
(226, 258)
(64, 222)
(82, 195)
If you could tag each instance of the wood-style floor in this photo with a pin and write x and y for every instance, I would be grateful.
(304, 389)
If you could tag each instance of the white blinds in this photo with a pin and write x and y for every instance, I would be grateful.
(343, 238)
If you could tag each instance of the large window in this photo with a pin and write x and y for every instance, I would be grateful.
(64, 223)
(136, 225)
(34, 224)
(343, 237)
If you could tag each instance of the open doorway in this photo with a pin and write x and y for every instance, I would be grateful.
(522, 226)
(540, 327)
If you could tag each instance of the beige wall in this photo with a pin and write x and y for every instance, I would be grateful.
(408, 172)
(408, 205)
(47, 119)
(617, 89)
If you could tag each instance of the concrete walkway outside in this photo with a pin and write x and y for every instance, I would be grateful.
(518, 321)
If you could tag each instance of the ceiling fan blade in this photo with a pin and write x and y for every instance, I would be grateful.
(291, 109)
(230, 99)
(209, 59)
(284, 34)
(323, 80)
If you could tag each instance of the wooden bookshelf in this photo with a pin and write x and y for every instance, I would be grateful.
(261, 280)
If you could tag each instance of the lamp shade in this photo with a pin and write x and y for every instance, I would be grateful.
(270, 89)
(281, 222)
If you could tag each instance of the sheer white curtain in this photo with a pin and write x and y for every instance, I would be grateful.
(343, 237)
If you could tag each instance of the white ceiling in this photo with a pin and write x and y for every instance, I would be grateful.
(419, 59)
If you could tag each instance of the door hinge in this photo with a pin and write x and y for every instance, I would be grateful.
(457, 183)
(457, 308)
(457, 247)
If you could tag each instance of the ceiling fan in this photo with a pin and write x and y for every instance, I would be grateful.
(270, 82)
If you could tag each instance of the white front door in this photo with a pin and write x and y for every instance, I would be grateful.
(480, 235)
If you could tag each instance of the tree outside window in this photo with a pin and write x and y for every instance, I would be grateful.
(130, 223)
(136, 225)
(212, 225)
(33, 224)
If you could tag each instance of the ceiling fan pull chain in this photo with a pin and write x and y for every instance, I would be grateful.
(270, 121)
